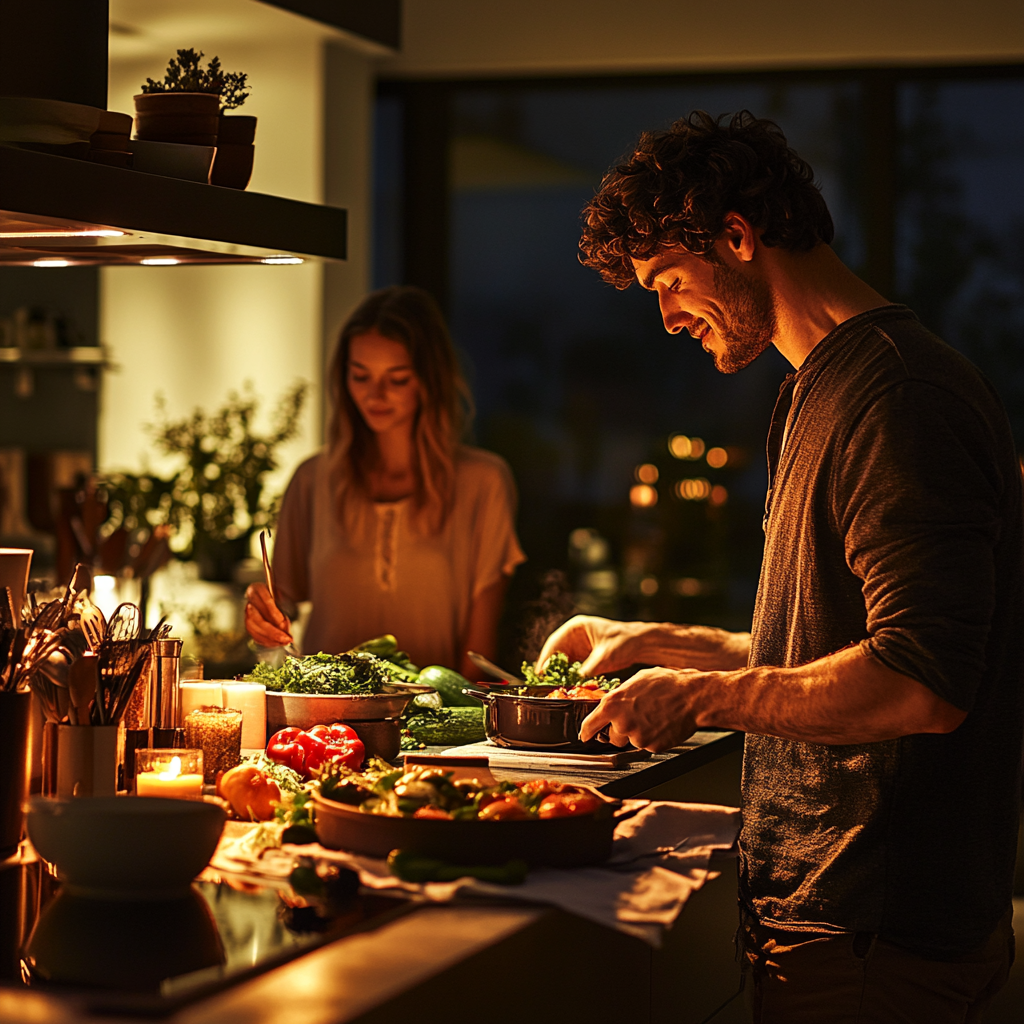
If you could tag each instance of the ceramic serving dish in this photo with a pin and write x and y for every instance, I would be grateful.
(125, 848)
(557, 842)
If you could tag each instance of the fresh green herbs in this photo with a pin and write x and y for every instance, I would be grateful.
(351, 673)
(558, 672)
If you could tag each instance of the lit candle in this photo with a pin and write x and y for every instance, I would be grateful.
(206, 692)
(251, 700)
(165, 777)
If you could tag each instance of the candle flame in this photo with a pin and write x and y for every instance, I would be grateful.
(173, 769)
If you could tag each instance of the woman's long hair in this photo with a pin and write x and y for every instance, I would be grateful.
(410, 316)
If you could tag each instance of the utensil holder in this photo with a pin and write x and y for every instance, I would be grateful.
(14, 767)
(86, 761)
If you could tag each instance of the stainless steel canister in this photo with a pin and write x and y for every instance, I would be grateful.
(164, 687)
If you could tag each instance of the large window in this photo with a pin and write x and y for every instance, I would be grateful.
(640, 467)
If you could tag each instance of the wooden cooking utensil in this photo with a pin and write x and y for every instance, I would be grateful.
(268, 574)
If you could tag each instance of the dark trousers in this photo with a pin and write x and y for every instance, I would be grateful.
(802, 978)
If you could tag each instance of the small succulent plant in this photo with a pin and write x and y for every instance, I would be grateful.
(185, 73)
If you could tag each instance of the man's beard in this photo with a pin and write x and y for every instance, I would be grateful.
(748, 313)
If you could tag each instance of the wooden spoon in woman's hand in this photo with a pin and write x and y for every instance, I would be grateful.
(264, 621)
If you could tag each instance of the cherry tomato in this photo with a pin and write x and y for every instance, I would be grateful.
(506, 808)
(542, 787)
(565, 805)
(429, 811)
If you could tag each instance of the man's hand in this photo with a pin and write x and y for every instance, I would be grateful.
(846, 697)
(654, 710)
(606, 645)
(602, 645)
(264, 621)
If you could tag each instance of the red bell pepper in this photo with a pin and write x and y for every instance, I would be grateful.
(305, 752)
(341, 742)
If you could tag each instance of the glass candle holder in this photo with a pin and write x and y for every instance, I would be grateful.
(167, 772)
(218, 732)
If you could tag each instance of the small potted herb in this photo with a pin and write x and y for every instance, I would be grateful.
(232, 166)
(185, 107)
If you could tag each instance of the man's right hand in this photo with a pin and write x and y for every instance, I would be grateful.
(264, 621)
(602, 645)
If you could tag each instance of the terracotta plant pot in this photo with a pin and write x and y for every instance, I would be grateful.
(189, 118)
(232, 166)
(14, 767)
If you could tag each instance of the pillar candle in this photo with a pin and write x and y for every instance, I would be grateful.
(251, 700)
(199, 694)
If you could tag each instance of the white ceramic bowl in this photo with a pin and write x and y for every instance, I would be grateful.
(125, 847)
(172, 159)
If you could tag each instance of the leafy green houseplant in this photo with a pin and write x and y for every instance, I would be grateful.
(218, 498)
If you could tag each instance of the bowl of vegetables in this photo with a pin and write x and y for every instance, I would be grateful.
(425, 812)
(547, 712)
(372, 687)
(355, 687)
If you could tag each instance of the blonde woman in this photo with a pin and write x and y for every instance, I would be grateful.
(396, 527)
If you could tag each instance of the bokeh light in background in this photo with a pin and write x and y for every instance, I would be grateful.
(643, 496)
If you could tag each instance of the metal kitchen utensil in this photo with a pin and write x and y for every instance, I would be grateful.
(491, 669)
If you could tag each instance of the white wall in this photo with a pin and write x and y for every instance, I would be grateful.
(195, 333)
(496, 37)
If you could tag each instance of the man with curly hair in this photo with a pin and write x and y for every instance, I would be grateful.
(881, 687)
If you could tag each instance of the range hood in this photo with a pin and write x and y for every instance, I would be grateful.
(56, 211)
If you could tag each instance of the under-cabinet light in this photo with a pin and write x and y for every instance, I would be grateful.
(159, 262)
(62, 234)
(281, 260)
(52, 263)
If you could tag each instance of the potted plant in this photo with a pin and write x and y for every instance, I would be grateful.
(232, 165)
(185, 107)
(218, 498)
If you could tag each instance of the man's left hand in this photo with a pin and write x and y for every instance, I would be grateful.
(654, 710)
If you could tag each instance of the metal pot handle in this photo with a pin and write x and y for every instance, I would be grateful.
(481, 695)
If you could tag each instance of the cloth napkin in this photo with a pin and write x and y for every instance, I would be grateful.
(660, 856)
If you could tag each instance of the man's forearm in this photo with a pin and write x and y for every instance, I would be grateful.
(847, 697)
(701, 647)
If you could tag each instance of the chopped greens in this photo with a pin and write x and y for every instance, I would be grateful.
(288, 781)
(558, 672)
(354, 672)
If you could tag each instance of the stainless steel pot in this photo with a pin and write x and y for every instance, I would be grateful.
(530, 721)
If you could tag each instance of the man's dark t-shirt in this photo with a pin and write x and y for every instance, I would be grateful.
(894, 521)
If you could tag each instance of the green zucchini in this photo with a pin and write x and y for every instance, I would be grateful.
(447, 726)
(449, 684)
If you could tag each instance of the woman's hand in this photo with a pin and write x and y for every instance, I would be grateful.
(264, 621)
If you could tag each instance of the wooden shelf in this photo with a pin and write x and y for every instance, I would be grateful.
(92, 355)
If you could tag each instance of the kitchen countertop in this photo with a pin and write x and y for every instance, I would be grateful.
(446, 962)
